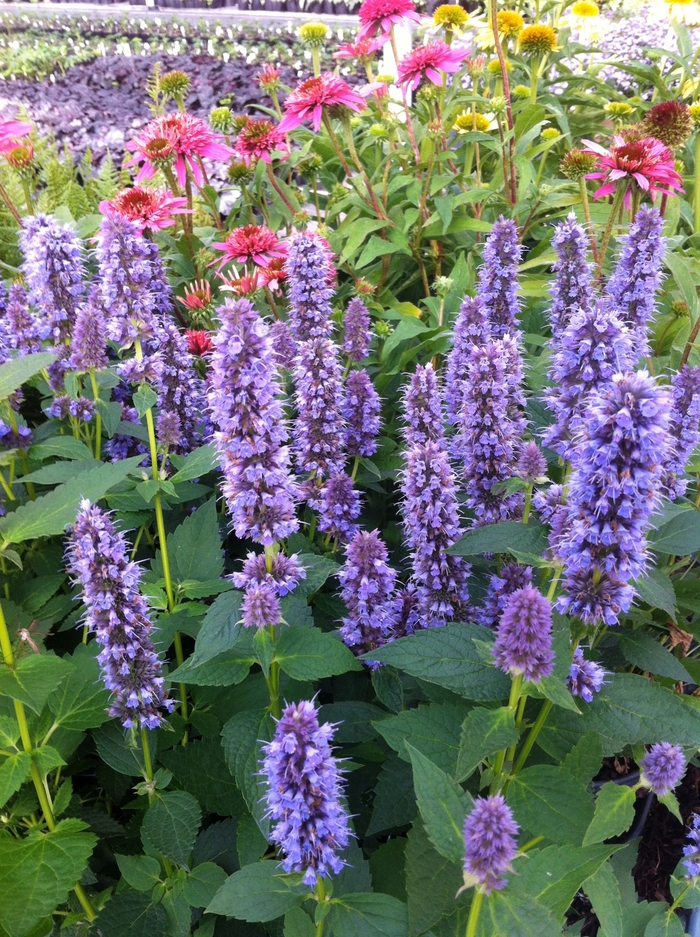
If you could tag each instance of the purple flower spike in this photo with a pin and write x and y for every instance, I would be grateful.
(21, 330)
(490, 842)
(243, 399)
(54, 269)
(498, 278)
(260, 606)
(422, 406)
(283, 344)
(339, 508)
(89, 345)
(618, 466)
(585, 677)
(117, 614)
(431, 523)
(683, 427)
(179, 387)
(663, 767)
(362, 413)
(368, 584)
(284, 574)
(692, 850)
(304, 790)
(531, 464)
(573, 285)
(632, 288)
(511, 578)
(357, 331)
(319, 399)
(524, 636)
(310, 274)
(471, 328)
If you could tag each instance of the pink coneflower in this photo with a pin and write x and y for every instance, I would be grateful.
(273, 273)
(312, 95)
(197, 298)
(253, 242)
(646, 163)
(147, 208)
(198, 342)
(269, 78)
(429, 61)
(362, 49)
(382, 14)
(179, 137)
(10, 132)
(258, 140)
(242, 286)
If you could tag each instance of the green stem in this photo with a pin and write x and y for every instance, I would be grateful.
(528, 503)
(27, 195)
(614, 210)
(534, 76)
(147, 763)
(696, 193)
(320, 897)
(585, 205)
(355, 466)
(515, 688)
(316, 59)
(5, 196)
(98, 418)
(474, 913)
(532, 736)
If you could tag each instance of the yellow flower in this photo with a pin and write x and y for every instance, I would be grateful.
(313, 34)
(449, 16)
(618, 110)
(468, 123)
(510, 23)
(521, 91)
(585, 8)
(538, 40)
(550, 133)
(695, 113)
(494, 67)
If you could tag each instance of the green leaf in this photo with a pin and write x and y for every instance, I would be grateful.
(111, 413)
(484, 732)
(65, 447)
(203, 883)
(201, 769)
(378, 248)
(170, 825)
(80, 702)
(679, 536)
(394, 803)
(387, 684)
(49, 514)
(14, 771)
(131, 914)
(614, 813)
(37, 873)
(371, 915)
(683, 278)
(141, 872)
(512, 914)
(666, 924)
(656, 589)
(194, 548)
(318, 569)
(644, 652)
(353, 718)
(297, 923)
(603, 892)
(199, 462)
(144, 399)
(449, 657)
(122, 753)
(59, 472)
(225, 669)
(257, 892)
(433, 730)
(432, 882)
(443, 806)
(551, 803)
(310, 654)
(502, 538)
(220, 629)
(241, 739)
(9, 731)
(33, 679)
(585, 758)
(16, 371)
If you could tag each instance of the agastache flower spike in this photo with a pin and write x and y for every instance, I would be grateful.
(260, 606)
(310, 271)
(498, 277)
(422, 405)
(117, 614)
(368, 585)
(523, 644)
(585, 677)
(663, 767)
(683, 427)
(284, 573)
(633, 286)
(490, 843)
(511, 578)
(471, 328)
(692, 850)
(319, 402)
(178, 385)
(89, 345)
(283, 344)
(357, 331)
(21, 329)
(362, 414)
(310, 824)
(431, 522)
(573, 286)
(339, 507)
(243, 399)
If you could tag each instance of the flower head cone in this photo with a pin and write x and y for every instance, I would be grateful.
(259, 139)
(498, 277)
(249, 244)
(669, 121)
(430, 61)
(573, 285)
(471, 328)
(311, 276)
(251, 431)
(148, 209)
(304, 787)
(367, 589)
(180, 138)
(316, 96)
(117, 614)
(384, 14)
(319, 399)
(422, 405)
(362, 414)
(647, 164)
(663, 767)
(490, 843)
(683, 427)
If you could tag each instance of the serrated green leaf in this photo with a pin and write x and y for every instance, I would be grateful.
(14, 771)
(170, 825)
(371, 915)
(666, 924)
(614, 813)
(432, 882)
(132, 914)
(16, 371)
(551, 802)
(310, 654)
(198, 463)
(297, 923)
(33, 679)
(144, 399)
(141, 872)
(394, 803)
(257, 892)
(433, 730)
(509, 913)
(65, 447)
(604, 894)
(679, 536)
(241, 739)
(644, 652)
(443, 806)
(202, 884)
(585, 758)
(318, 569)
(221, 629)
(9, 731)
(200, 768)
(656, 589)
(194, 548)
(80, 702)
(502, 538)
(484, 732)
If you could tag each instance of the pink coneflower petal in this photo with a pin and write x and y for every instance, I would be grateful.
(146, 208)
(258, 140)
(362, 49)
(429, 61)
(383, 14)
(313, 95)
(647, 163)
(251, 243)
(10, 132)
(178, 138)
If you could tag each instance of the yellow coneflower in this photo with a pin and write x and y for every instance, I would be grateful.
(538, 40)
(510, 23)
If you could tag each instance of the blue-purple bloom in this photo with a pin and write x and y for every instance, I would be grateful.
(663, 767)
(490, 842)
(117, 614)
(245, 407)
(683, 427)
(631, 290)
(523, 644)
(283, 344)
(319, 399)
(422, 406)
(368, 584)
(572, 288)
(594, 345)
(692, 850)
(260, 606)
(531, 463)
(471, 328)
(63, 407)
(179, 387)
(511, 578)
(362, 414)
(618, 465)
(358, 336)
(303, 796)
(284, 573)
(431, 522)
(585, 677)
(498, 277)
(310, 275)
(339, 507)
(20, 328)
(89, 344)
(54, 270)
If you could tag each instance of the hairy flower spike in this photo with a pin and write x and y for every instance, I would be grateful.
(572, 288)
(357, 331)
(319, 403)
(683, 427)
(490, 842)
(311, 276)
(511, 578)
(339, 508)
(20, 329)
(663, 767)
(304, 789)
(284, 574)
(117, 614)
(243, 399)
(362, 414)
(422, 405)
(692, 850)
(367, 589)
(471, 328)
(585, 677)
(524, 636)
(498, 277)
(531, 463)
(89, 346)
(260, 606)
(180, 388)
